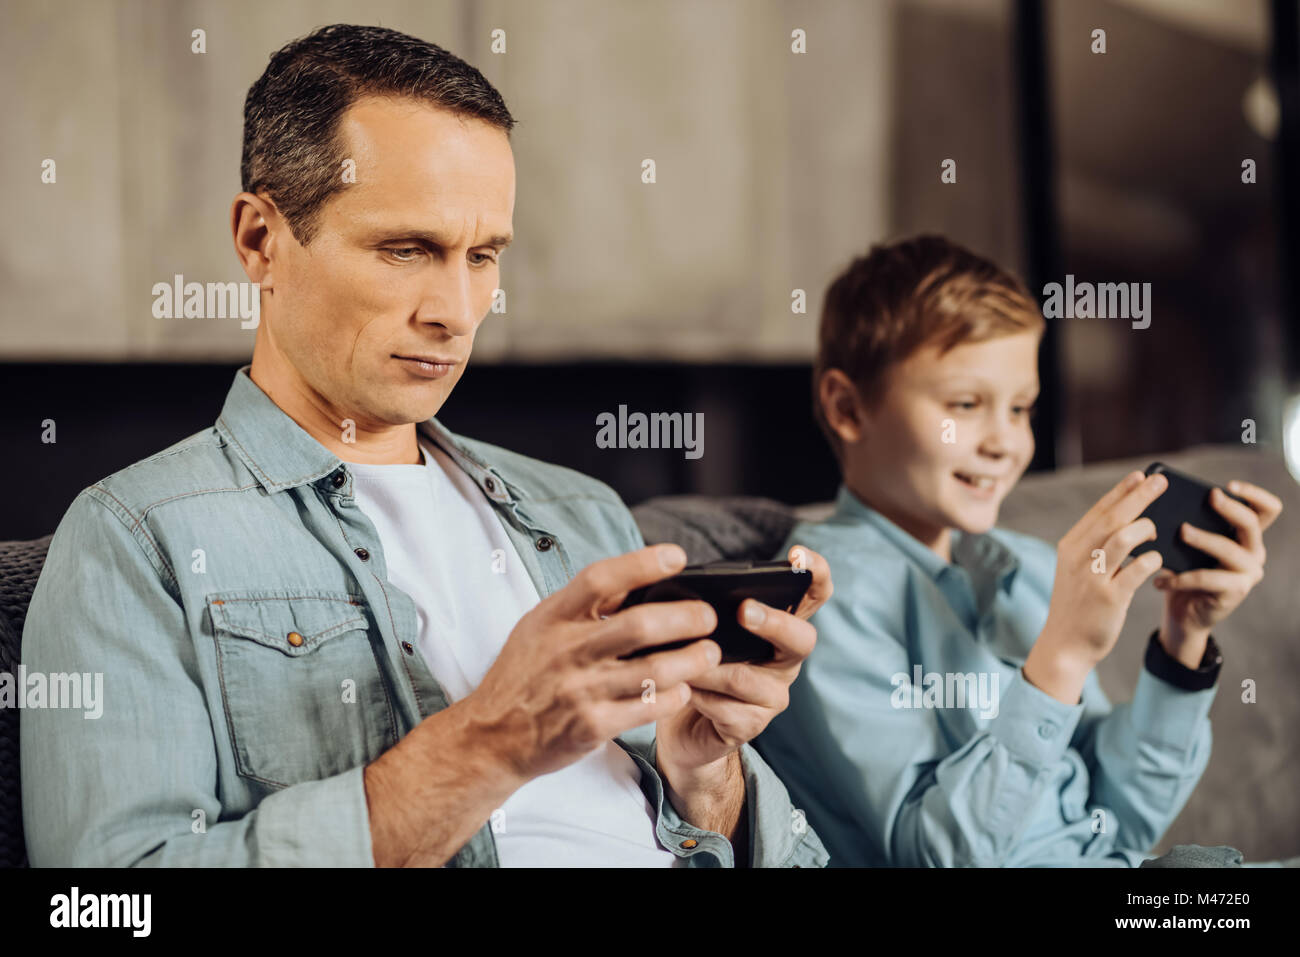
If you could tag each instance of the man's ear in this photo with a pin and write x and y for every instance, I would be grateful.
(842, 405)
(251, 220)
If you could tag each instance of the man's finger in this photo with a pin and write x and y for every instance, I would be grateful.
(819, 592)
(649, 624)
(749, 684)
(600, 588)
(793, 636)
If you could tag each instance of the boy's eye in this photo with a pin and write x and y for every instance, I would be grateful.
(964, 404)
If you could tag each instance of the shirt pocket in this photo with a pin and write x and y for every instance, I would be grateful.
(303, 693)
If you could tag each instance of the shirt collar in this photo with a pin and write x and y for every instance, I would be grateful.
(281, 454)
(982, 556)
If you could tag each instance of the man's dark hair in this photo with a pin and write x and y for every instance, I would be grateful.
(292, 146)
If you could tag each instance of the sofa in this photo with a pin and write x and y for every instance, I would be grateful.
(1249, 796)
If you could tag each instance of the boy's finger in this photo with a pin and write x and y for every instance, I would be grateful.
(1268, 505)
(1132, 575)
(1231, 555)
(1214, 580)
(1132, 504)
(1122, 488)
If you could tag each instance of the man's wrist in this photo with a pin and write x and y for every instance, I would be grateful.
(710, 796)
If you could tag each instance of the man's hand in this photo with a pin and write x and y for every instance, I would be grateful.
(1092, 593)
(697, 747)
(1197, 600)
(558, 690)
(555, 693)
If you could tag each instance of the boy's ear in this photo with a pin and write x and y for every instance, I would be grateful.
(842, 405)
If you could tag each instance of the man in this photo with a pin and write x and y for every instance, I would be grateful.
(329, 637)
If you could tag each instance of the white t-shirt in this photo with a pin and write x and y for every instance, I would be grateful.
(445, 547)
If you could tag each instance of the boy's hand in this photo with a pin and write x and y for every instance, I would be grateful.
(1197, 600)
(1092, 593)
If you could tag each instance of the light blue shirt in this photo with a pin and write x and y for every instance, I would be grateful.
(255, 656)
(893, 770)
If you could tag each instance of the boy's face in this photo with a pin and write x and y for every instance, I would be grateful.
(950, 436)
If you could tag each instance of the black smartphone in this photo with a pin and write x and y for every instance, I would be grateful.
(724, 585)
(1187, 499)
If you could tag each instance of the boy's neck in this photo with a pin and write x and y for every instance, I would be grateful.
(937, 539)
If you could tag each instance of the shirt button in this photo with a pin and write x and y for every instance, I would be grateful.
(408, 648)
(362, 554)
(339, 478)
(491, 485)
(544, 543)
(689, 843)
(1046, 729)
(295, 639)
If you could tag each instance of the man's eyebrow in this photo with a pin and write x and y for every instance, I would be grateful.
(501, 240)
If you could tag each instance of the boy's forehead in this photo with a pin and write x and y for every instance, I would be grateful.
(1004, 361)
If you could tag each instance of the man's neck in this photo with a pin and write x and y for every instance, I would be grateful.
(345, 436)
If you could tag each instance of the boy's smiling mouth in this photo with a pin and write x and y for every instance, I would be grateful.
(977, 482)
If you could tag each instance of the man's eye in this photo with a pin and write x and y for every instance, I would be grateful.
(397, 253)
(484, 259)
(964, 404)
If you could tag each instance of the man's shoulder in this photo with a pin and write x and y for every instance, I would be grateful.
(195, 464)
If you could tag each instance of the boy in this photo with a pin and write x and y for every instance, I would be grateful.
(950, 714)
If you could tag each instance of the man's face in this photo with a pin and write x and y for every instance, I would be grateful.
(403, 265)
(951, 434)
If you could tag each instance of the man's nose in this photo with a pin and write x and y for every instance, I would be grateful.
(449, 299)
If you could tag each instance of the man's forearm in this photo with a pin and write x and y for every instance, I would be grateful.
(429, 794)
(713, 799)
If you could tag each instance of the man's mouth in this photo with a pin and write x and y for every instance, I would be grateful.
(427, 366)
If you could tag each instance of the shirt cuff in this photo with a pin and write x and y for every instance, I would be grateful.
(779, 833)
(1032, 724)
(1168, 668)
(322, 823)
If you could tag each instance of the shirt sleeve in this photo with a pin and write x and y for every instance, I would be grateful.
(885, 775)
(136, 784)
(1145, 756)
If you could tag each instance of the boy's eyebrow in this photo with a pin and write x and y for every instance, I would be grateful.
(500, 240)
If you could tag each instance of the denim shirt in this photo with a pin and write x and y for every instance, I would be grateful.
(1012, 777)
(255, 657)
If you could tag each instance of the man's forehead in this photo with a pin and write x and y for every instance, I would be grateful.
(418, 145)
